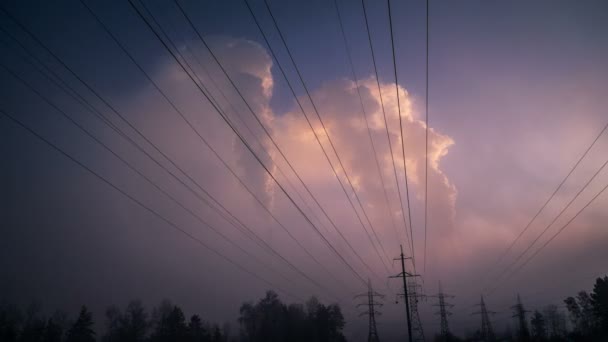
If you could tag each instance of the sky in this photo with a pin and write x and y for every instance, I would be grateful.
(516, 95)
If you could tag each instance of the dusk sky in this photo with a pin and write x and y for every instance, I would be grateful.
(516, 95)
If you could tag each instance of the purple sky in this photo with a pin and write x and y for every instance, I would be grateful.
(517, 94)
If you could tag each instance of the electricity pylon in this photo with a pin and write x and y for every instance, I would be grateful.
(417, 331)
(520, 313)
(487, 333)
(443, 312)
(410, 296)
(371, 311)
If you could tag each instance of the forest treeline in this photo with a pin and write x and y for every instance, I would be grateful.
(582, 317)
(589, 313)
(585, 319)
(267, 320)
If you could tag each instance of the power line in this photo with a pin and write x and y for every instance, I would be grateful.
(426, 138)
(329, 140)
(364, 114)
(168, 195)
(562, 228)
(503, 255)
(151, 143)
(180, 113)
(554, 235)
(139, 173)
(77, 97)
(554, 220)
(407, 191)
(210, 98)
(54, 78)
(163, 191)
(322, 149)
(244, 142)
(550, 224)
(390, 145)
(216, 105)
(141, 204)
(217, 155)
(250, 130)
(237, 114)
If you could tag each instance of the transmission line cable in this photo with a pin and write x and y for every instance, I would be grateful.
(156, 186)
(553, 221)
(506, 252)
(553, 237)
(262, 125)
(364, 114)
(407, 191)
(77, 97)
(390, 145)
(172, 49)
(426, 138)
(150, 142)
(332, 146)
(242, 121)
(199, 83)
(147, 208)
(178, 111)
(244, 142)
(283, 40)
(276, 145)
(322, 149)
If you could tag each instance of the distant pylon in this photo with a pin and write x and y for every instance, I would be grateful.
(444, 313)
(487, 333)
(417, 331)
(520, 313)
(372, 335)
(403, 276)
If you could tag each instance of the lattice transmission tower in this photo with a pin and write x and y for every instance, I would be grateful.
(487, 333)
(444, 312)
(371, 311)
(520, 313)
(415, 296)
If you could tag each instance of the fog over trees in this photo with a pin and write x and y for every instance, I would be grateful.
(585, 318)
(269, 319)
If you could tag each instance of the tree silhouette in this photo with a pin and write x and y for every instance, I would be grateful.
(130, 326)
(53, 331)
(113, 333)
(135, 322)
(10, 322)
(197, 331)
(271, 320)
(81, 330)
(33, 328)
(588, 320)
(555, 322)
(539, 326)
(217, 334)
(171, 325)
(599, 303)
(297, 323)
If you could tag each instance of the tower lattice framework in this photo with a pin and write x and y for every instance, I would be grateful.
(371, 311)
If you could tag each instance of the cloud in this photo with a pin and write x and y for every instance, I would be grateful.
(464, 235)
(340, 110)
